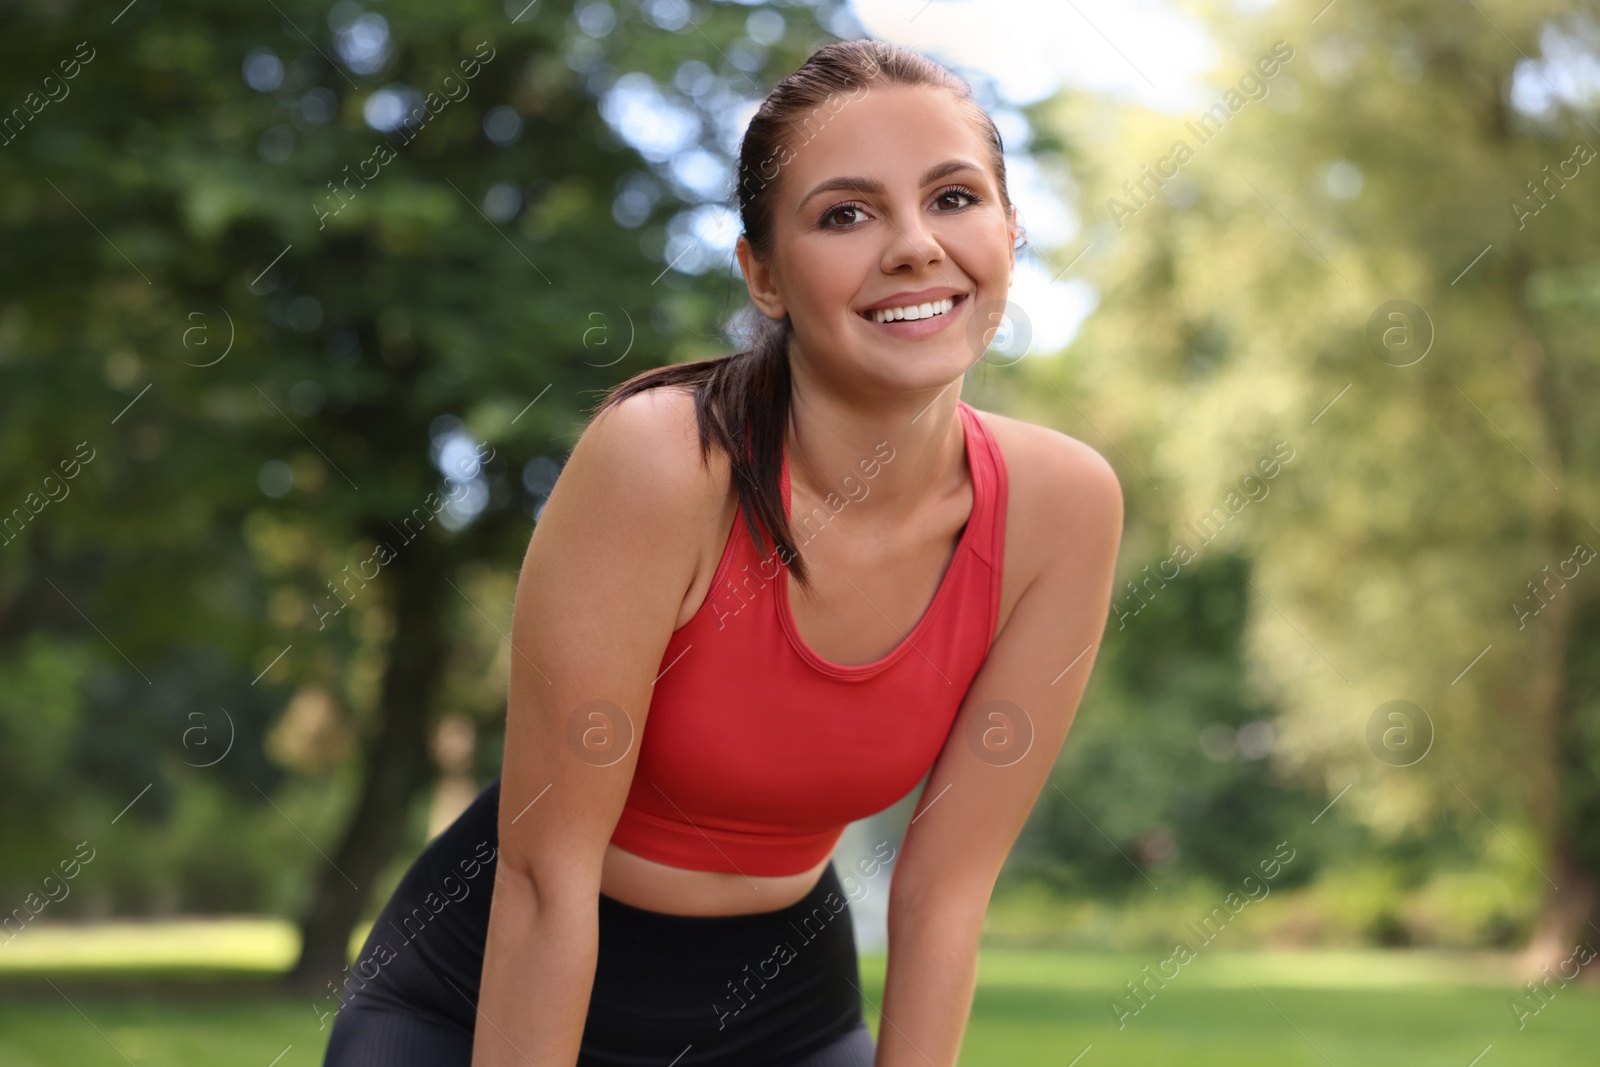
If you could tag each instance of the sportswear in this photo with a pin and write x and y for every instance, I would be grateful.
(756, 752)
(769, 989)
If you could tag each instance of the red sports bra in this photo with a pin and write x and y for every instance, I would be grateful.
(756, 752)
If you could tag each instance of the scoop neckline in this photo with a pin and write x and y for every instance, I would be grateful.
(980, 500)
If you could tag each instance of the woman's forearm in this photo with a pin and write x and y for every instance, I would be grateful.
(538, 971)
(927, 993)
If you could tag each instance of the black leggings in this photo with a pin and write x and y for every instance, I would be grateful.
(770, 989)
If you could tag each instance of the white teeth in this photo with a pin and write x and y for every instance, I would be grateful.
(913, 311)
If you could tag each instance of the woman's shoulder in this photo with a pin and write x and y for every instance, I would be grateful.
(1040, 458)
(661, 430)
(1057, 486)
(658, 454)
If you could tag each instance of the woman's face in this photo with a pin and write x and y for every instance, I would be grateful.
(899, 221)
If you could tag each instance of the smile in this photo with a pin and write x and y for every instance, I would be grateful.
(913, 312)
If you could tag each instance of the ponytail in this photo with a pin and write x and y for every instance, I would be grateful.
(743, 397)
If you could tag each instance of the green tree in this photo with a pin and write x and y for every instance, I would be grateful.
(354, 276)
(1443, 458)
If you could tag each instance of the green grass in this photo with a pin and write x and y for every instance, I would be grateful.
(1350, 1009)
(200, 993)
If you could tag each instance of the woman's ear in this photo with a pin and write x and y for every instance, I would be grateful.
(758, 279)
(1015, 227)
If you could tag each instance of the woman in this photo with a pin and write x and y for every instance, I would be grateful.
(688, 735)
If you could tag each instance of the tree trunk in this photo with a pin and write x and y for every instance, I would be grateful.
(396, 766)
(1568, 920)
(1563, 798)
(1571, 914)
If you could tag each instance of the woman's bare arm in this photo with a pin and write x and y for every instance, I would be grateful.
(601, 586)
(1005, 739)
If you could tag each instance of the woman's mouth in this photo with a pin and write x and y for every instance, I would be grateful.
(918, 320)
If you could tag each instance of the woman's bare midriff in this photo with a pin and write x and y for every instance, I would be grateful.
(654, 886)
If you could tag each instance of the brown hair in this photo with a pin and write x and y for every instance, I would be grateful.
(744, 397)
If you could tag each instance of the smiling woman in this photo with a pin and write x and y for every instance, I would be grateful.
(673, 789)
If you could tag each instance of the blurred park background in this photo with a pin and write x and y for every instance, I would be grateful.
(1321, 280)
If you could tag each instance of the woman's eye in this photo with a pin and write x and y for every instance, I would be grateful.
(834, 212)
(828, 220)
(958, 192)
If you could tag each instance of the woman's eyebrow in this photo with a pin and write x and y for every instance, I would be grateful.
(875, 187)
